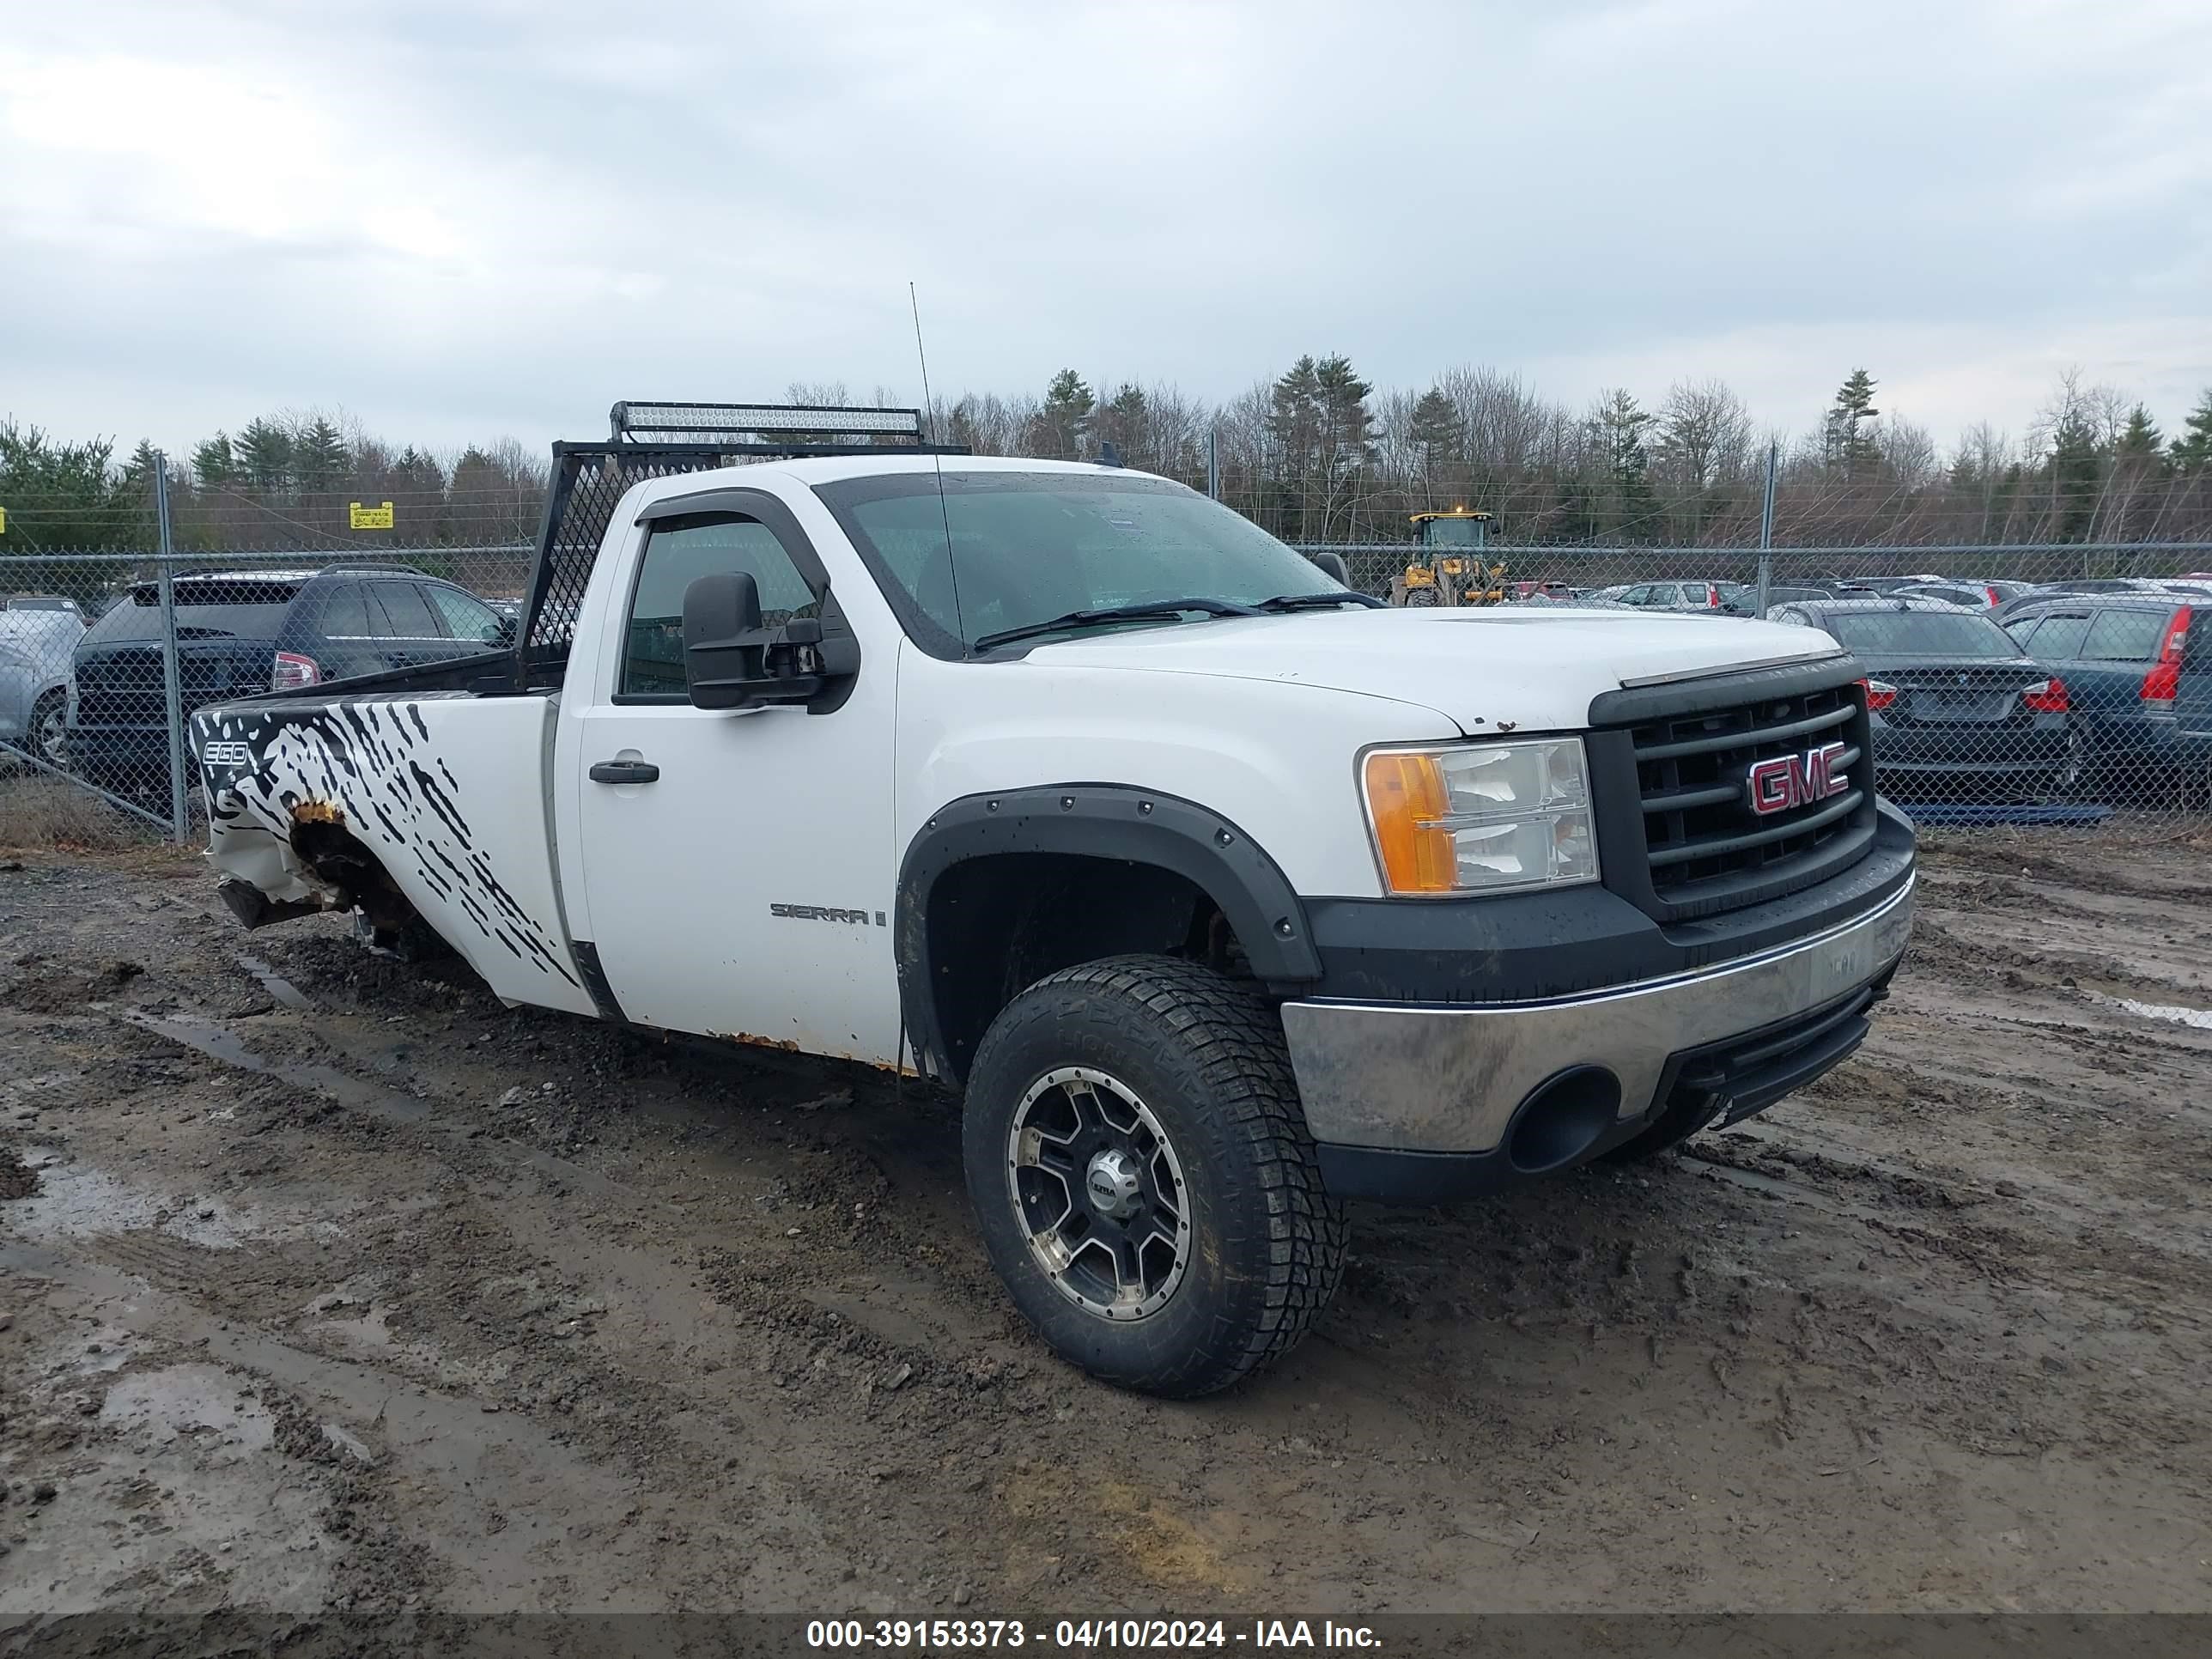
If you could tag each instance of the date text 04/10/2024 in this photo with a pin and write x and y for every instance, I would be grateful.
(1085, 1635)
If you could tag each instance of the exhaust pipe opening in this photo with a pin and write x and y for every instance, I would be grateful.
(1562, 1119)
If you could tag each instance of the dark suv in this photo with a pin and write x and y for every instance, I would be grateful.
(240, 632)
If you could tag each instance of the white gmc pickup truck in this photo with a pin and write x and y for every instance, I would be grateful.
(1222, 895)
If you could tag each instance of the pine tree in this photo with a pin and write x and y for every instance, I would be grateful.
(1294, 416)
(2141, 441)
(61, 495)
(2076, 468)
(1323, 435)
(2192, 452)
(963, 427)
(1435, 430)
(1065, 420)
(1125, 421)
(213, 461)
(417, 473)
(265, 454)
(320, 460)
(1616, 427)
(1847, 447)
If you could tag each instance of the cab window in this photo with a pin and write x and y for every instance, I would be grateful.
(677, 554)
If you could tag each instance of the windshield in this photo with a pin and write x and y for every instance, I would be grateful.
(1454, 532)
(1026, 547)
(1921, 632)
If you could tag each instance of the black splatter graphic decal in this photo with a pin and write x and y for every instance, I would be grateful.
(369, 760)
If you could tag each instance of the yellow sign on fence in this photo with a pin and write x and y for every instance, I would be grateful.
(4, 520)
(372, 518)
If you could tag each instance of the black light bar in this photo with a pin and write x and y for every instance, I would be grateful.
(657, 423)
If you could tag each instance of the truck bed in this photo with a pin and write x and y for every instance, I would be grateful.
(439, 792)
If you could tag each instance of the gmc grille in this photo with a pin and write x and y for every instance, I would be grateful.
(1704, 848)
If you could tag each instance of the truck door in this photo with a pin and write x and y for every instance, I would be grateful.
(737, 863)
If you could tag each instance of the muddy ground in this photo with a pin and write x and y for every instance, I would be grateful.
(328, 1284)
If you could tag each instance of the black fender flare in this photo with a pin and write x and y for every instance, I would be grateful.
(1107, 821)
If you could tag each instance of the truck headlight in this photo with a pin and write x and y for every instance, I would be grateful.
(1484, 817)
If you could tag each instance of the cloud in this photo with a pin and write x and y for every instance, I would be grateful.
(458, 220)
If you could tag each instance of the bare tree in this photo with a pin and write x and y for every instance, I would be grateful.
(1704, 434)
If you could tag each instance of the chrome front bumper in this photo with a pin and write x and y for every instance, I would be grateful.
(1450, 1079)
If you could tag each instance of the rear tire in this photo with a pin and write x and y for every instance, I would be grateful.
(1142, 1176)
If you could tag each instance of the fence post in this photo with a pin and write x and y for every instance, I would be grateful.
(1212, 463)
(172, 690)
(1766, 529)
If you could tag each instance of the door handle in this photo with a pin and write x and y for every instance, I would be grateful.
(625, 772)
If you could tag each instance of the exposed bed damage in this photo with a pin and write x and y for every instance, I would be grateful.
(351, 804)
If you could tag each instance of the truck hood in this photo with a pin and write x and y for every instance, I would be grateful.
(1478, 668)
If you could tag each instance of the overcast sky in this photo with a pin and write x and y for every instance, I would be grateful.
(482, 217)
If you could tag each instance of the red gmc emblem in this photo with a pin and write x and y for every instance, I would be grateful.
(1789, 780)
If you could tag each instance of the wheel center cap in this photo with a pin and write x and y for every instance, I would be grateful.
(1111, 1182)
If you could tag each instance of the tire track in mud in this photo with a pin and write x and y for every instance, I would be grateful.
(1806, 1376)
(810, 1356)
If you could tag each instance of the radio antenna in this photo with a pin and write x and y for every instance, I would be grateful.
(943, 512)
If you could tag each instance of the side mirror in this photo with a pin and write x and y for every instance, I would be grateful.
(1333, 564)
(732, 661)
(725, 647)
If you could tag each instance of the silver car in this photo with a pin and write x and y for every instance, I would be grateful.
(1691, 596)
(35, 647)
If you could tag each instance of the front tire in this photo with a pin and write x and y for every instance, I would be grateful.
(1142, 1176)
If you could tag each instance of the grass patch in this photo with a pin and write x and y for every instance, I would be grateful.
(44, 814)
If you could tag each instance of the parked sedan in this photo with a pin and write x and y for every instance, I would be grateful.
(43, 602)
(34, 680)
(1956, 707)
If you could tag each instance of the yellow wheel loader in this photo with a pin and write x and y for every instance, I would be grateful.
(1452, 569)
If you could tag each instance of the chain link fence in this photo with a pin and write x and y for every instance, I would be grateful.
(103, 656)
(2024, 682)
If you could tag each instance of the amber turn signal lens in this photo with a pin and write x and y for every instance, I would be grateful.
(1406, 798)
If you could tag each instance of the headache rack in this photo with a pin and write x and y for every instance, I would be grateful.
(655, 441)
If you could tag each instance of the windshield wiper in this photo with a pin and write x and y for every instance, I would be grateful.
(1142, 610)
(1317, 601)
